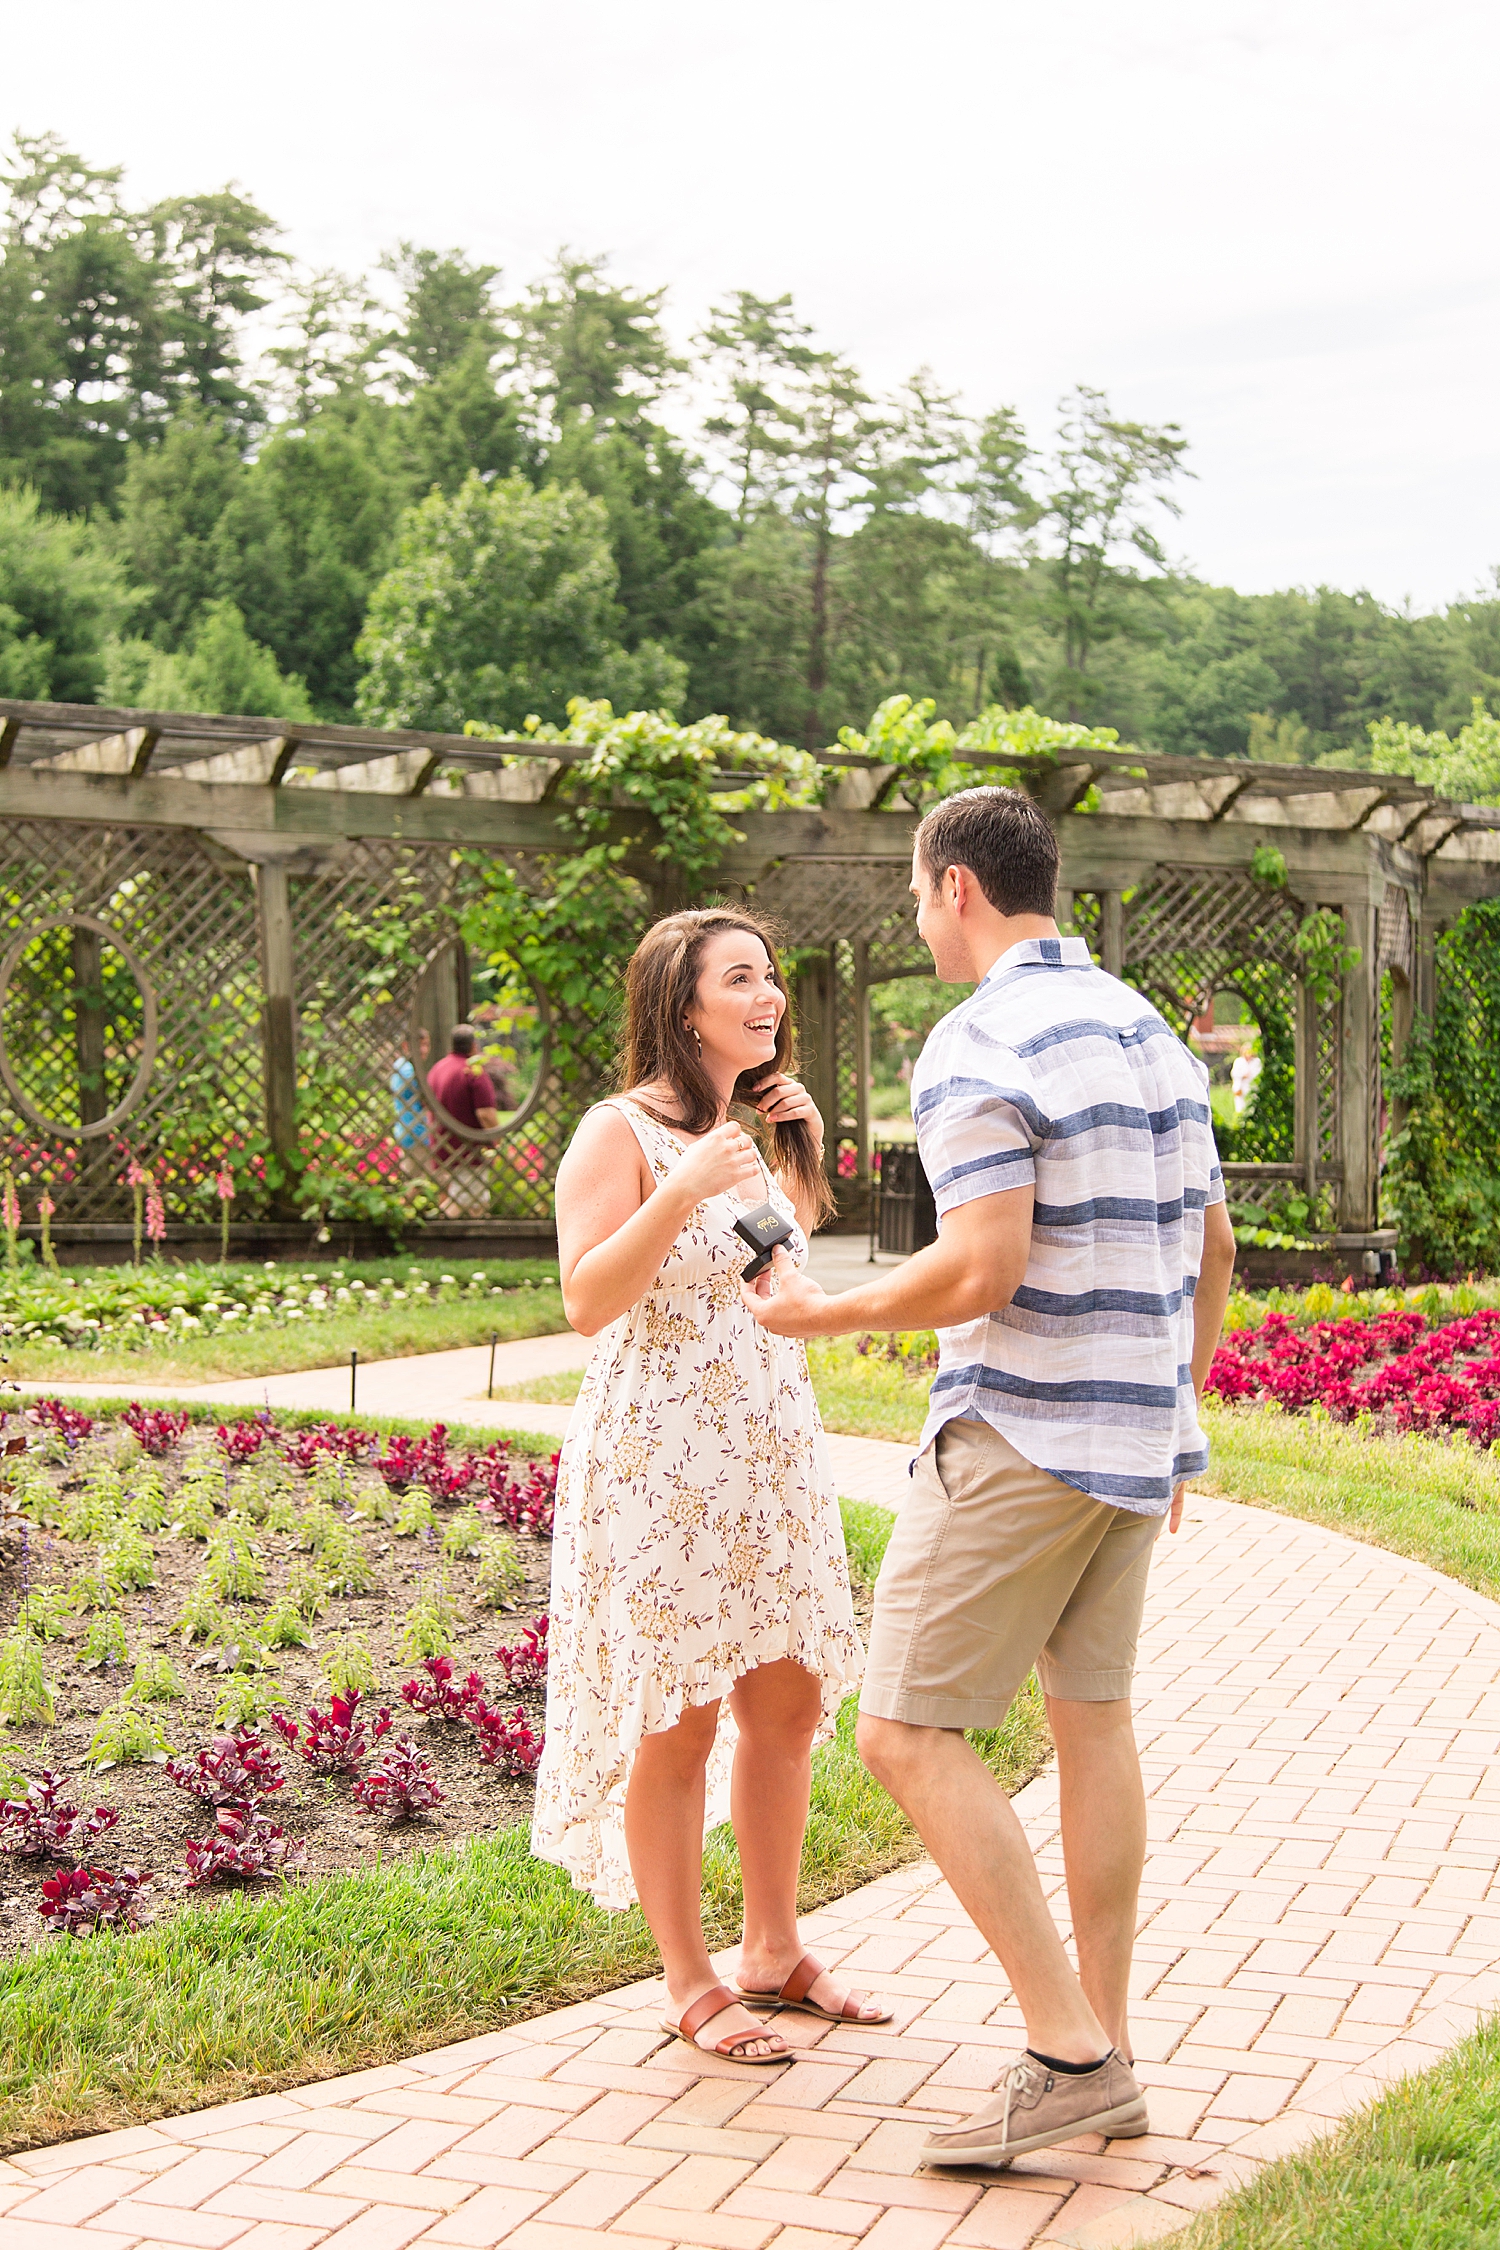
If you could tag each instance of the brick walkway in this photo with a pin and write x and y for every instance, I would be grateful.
(1319, 1724)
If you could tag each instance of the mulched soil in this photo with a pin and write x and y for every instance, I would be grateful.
(157, 1818)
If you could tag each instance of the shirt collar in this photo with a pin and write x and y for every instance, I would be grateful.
(1046, 953)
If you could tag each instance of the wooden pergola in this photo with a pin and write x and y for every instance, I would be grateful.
(236, 867)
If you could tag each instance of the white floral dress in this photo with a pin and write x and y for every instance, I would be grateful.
(697, 1536)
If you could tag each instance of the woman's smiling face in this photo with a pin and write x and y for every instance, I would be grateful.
(738, 1006)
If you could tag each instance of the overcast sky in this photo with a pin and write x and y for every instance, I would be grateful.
(1274, 223)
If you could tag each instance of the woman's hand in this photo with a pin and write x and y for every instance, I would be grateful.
(784, 1101)
(723, 1162)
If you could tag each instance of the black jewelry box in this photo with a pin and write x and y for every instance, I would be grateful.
(763, 1228)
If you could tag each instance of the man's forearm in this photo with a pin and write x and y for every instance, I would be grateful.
(1210, 1301)
(939, 1287)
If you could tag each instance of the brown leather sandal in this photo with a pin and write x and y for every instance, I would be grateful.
(713, 2003)
(794, 1992)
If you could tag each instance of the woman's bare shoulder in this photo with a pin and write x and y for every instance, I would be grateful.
(602, 1128)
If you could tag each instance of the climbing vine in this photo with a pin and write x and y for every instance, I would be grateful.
(1441, 1184)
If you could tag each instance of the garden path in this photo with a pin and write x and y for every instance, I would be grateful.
(1319, 1725)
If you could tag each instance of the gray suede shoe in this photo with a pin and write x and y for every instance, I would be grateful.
(1034, 2107)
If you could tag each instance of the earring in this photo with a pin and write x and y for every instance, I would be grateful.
(697, 1039)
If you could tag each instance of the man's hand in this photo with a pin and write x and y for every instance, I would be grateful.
(784, 1300)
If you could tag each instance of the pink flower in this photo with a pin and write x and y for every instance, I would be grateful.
(224, 1182)
(156, 1214)
(136, 1175)
(45, 1206)
(10, 1207)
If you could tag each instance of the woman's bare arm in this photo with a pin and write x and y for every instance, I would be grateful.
(611, 1234)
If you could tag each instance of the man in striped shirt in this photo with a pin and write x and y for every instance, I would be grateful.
(1078, 1284)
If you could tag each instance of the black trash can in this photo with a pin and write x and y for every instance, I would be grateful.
(905, 1214)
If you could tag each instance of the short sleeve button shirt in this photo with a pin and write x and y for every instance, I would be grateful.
(1056, 1076)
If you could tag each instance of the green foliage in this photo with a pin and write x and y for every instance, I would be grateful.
(220, 669)
(428, 1627)
(284, 1625)
(1467, 768)
(104, 1642)
(127, 1735)
(46, 1612)
(146, 1497)
(62, 593)
(372, 1502)
(233, 1567)
(416, 1514)
(193, 1509)
(1268, 865)
(307, 1591)
(501, 1574)
(1327, 956)
(463, 1535)
(246, 1702)
(201, 1617)
(349, 1664)
(500, 606)
(126, 1561)
(27, 1696)
(342, 1560)
(156, 1681)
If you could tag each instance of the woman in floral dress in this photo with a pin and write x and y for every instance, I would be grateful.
(702, 1633)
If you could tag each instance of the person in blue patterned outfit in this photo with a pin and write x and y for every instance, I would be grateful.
(1078, 1285)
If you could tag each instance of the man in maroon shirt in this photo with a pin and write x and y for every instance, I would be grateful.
(463, 1091)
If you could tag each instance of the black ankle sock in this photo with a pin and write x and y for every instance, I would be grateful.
(1069, 2070)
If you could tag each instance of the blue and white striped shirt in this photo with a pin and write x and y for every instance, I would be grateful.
(1054, 1075)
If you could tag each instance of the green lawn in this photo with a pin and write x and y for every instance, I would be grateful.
(438, 1308)
(1420, 2170)
(278, 1987)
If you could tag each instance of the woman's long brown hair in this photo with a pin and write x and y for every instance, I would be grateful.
(661, 984)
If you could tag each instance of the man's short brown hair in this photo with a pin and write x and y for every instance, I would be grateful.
(1003, 838)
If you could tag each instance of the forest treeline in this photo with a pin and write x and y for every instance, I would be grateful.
(420, 498)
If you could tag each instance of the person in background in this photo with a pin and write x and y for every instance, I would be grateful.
(463, 1091)
(411, 1113)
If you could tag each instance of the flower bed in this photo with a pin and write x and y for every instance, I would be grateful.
(253, 1652)
(1395, 1366)
(141, 1307)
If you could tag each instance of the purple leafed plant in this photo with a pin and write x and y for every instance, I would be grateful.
(236, 1769)
(402, 1785)
(81, 1899)
(238, 1440)
(157, 1429)
(507, 1743)
(244, 1843)
(335, 1742)
(525, 1660)
(437, 1697)
(40, 1826)
(522, 1502)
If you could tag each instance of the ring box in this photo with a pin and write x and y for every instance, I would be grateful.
(763, 1228)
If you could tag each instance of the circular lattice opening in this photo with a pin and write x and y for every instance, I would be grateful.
(513, 1023)
(77, 1026)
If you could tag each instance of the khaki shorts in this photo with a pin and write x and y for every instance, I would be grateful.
(995, 1566)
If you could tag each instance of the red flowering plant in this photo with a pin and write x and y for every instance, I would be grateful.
(1392, 1366)
(236, 1769)
(40, 1826)
(335, 1742)
(403, 1785)
(522, 1500)
(157, 1430)
(82, 1899)
(437, 1696)
(71, 1425)
(509, 1743)
(525, 1661)
(244, 1842)
(238, 1440)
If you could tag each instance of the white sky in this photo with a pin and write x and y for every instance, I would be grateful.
(1272, 222)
